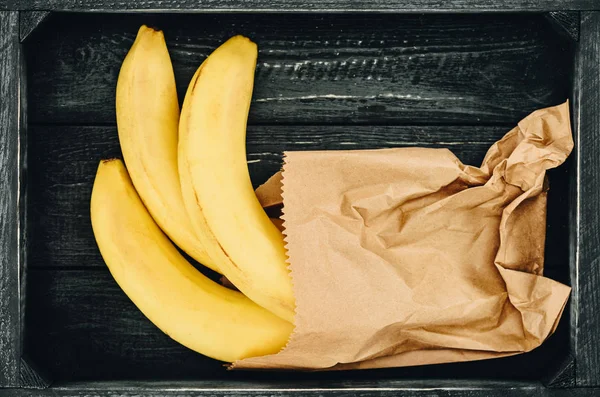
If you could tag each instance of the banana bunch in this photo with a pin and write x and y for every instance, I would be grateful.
(187, 182)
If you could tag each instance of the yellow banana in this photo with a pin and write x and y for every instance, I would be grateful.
(147, 120)
(218, 195)
(190, 308)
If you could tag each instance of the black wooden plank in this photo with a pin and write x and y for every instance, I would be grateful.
(81, 326)
(587, 237)
(63, 162)
(431, 388)
(9, 218)
(29, 21)
(307, 5)
(405, 389)
(341, 68)
(243, 389)
(74, 333)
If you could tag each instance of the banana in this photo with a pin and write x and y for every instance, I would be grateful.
(190, 308)
(147, 120)
(218, 195)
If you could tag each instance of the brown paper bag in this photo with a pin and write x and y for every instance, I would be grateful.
(407, 256)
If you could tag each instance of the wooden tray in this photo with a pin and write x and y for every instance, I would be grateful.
(331, 75)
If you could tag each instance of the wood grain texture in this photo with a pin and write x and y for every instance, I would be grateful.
(63, 162)
(319, 69)
(10, 353)
(31, 378)
(29, 21)
(304, 5)
(304, 389)
(567, 22)
(81, 326)
(430, 388)
(562, 375)
(587, 119)
(403, 388)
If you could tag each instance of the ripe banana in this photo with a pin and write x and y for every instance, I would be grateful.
(218, 195)
(191, 309)
(147, 120)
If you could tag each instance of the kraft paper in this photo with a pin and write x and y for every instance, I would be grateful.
(407, 256)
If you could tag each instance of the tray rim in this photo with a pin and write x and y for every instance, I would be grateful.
(417, 6)
(580, 369)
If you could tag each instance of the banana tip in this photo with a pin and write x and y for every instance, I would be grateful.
(241, 39)
(149, 31)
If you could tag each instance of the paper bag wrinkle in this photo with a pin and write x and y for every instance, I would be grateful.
(269, 193)
(406, 256)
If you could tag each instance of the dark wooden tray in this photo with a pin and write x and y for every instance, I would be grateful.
(330, 75)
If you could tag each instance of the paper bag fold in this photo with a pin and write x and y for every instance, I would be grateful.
(407, 256)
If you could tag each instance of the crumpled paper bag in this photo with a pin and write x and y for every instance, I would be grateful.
(406, 256)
